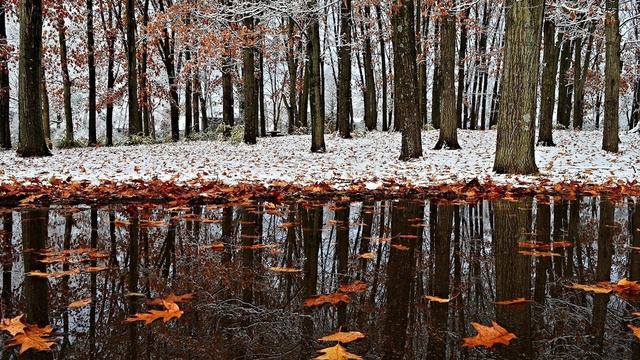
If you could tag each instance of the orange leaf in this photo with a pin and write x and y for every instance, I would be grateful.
(436, 299)
(79, 303)
(590, 288)
(355, 287)
(343, 337)
(368, 256)
(537, 253)
(513, 302)
(635, 329)
(171, 311)
(488, 336)
(34, 337)
(13, 326)
(279, 269)
(172, 298)
(333, 299)
(337, 353)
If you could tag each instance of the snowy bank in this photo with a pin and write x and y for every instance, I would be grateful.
(577, 157)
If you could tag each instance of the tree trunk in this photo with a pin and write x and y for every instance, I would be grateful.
(344, 72)
(421, 63)
(436, 90)
(147, 126)
(91, 63)
(516, 118)
(46, 123)
(227, 98)
(66, 79)
(564, 89)
(405, 79)
(292, 66)
(548, 90)
(316, 90)
(5, 90)
(188, 106)
(111, 80)
(610, 137)
(461, 55)
(304, 98)
(260, 80)
(383, 70)
(32, 141)
(448, 127)
(135, 123)
(249, 89)
(580, 77)
(196, 101)
(371, 107)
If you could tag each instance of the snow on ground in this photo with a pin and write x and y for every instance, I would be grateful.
(371, 158)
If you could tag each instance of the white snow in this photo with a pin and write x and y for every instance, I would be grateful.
(373, 158)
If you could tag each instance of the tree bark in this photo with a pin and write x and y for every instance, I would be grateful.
(188, 106)
(292, 66)
(564, 89)
(227, 98)
(449, 123)
(344, 72)
(436, 90)
(610, 137)
(371, 104)
(405, 79)
(249, 89)
(461, 55)
(32, 141)
(66, 79)
(516, 118)
(135, 123)
(316, 90)
(5, 90)
(91, 63)
(548, 90)
(383, 69)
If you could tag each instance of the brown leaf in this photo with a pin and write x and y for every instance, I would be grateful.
(279, 269)
(598, 289)
(34, 337)
(537, 253)
(172, 298)
(488, 336)
(171, 311)
(343, 337)
(355, 287)
(79, 303)
(13, 326)
(436, 299)
(635, 329)
(337, 353)
(57, 274)
(513, 301)
(333, 299)
(368, 256)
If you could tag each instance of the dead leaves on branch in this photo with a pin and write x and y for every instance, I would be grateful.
(626, 289)
(34, 191)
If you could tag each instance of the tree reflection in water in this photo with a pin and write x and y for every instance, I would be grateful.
(466, 252)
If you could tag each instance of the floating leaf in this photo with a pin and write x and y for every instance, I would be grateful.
(333, 299)
(13, 326)
(488, 336)
(436, 299)
(172, 298)
(33, 337)
(635, 329)
(171, 311)
(279, 269)
(598, 289)
(538, 253)
(400, 247)
(343, 337)
(355, 287)
(57, 274)
(513, 301)
(79, 303)
(368, 256)
(94, 269)
(337, 353)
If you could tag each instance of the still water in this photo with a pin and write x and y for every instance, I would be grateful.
(250, 267)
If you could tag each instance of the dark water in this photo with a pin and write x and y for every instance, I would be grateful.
(244, 310)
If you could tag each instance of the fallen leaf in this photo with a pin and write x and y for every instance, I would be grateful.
(33, 337)
(355, 287)
(171, 311)
(436, 299)
(368, 256)
(635, 329)
(488, 336)
(279, 269)
(94, 269)
(13, 326)
(57, 274)
(590, 288)
(400, 247)
(333, 299)
(337, 353)
(343, 337)
(513, 301)
(538, 253)
(79, 303)
(172, 298)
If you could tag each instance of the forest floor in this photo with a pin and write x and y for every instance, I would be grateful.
(369, 159)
